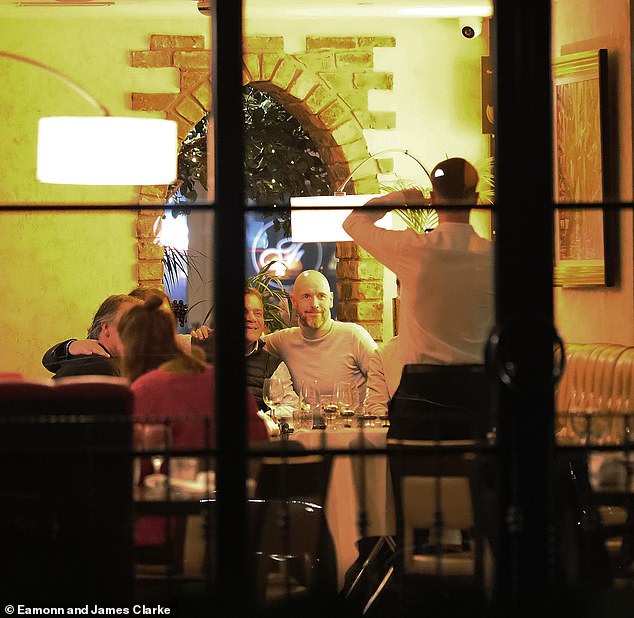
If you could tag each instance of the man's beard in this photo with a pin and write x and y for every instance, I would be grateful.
(313, 321)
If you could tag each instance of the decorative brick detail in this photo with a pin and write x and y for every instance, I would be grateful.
(191, 110)
(348, 132)
(373, 80)
(171, 42)
(377, 41)
(284, 73)
(326, 89)
(149, 250)
(149, 59)
(321, 61)
(190, 79)
(361, 290)
(146, 226)
(356, 59)
(350, 250)
(336, 114)
(152, 102)
(377, 120)
(360, 270)
(251, 64)
(360, 311)
(192, 59)
(375, 329)
(203, 96)
(331, 42)
(150, 271)
(263, 43)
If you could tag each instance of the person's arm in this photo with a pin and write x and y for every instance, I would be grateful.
(377, 396)
(54, 357)
(384, 245)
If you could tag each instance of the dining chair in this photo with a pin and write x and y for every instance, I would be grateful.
(439, 419)
(66, 490)
(286, 480)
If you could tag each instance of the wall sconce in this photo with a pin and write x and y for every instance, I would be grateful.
(102, 150)
(325, 225)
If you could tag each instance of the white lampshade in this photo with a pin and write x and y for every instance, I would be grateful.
(325, 225)
(106, 150)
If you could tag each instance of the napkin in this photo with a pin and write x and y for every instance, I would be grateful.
(271, 426)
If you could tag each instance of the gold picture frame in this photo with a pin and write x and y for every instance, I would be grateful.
(580, 90)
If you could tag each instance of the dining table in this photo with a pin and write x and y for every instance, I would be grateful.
(359, 483)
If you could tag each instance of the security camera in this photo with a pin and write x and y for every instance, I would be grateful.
(470, 27)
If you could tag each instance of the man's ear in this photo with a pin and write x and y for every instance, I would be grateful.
(332, 299)
(292, 297)
(105, 330)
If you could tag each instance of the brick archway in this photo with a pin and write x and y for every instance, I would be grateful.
(326, 90)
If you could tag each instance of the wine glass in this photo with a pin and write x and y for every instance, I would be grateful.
(345, 402)
(156, 440)
(309, 403)
(273, 394)
(599, 422)
(579, 420)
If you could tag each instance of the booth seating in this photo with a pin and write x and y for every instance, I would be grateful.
(597, 375)
(597, 383)
(66, 490)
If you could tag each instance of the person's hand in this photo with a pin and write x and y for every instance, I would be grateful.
(400, 198)
(202, 333)
(413, 197)
(86, 346)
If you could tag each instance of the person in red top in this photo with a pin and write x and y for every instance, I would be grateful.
(171, 388)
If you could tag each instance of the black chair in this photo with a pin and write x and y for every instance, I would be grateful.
(66, 490)
(439, 418)
(287, 480)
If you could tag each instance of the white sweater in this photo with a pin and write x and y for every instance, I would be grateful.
(343, 354)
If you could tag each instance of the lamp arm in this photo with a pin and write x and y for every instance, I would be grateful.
(75, 86)
(341, 190)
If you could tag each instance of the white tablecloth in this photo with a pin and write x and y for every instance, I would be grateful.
(345, 489)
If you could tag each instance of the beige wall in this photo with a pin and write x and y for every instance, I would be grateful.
(57, 268)
(602, 314)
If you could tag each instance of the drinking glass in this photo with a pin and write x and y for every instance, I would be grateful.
(156, 440)
(598, 419)
(273, 394)
(330, 410)
(577, 414)
(345, 402)
(309, 404)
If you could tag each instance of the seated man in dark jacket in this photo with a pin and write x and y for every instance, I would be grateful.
(260, 363)
(96, 355)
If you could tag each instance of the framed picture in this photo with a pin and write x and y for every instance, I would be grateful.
(581, 235)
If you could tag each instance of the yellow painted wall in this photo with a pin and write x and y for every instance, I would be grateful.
(602, 314)
(56, 268)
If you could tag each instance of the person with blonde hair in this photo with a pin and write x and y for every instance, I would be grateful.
(166, 380)
(173, 389)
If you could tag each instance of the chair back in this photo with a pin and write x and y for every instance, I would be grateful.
(441, 402)
(66, 489)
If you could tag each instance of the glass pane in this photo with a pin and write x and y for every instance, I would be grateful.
(123, 59)
(373, 108)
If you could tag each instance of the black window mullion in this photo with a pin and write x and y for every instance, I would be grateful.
(524, 353)
(231, 573)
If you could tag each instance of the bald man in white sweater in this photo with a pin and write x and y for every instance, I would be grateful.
(321, 348)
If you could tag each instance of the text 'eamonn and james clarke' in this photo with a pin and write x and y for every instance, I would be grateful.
(95, 610)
